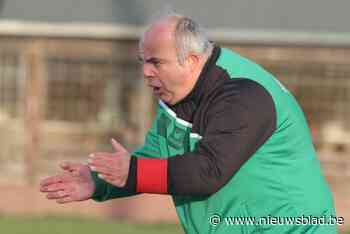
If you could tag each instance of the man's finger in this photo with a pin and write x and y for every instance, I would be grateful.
(52, 187)
(57, 195)
(102, 155)
(102, 169)
(51, 180)
(117, 146)
(64, 200)
(103, 162)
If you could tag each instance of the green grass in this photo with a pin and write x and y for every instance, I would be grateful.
(67, 225)
(74, 225)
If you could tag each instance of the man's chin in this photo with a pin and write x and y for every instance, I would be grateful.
(165, 99)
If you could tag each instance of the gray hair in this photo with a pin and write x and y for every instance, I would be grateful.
(190, 37)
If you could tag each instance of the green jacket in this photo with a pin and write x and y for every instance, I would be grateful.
(281, 179)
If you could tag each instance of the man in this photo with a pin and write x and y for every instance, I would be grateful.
(228, 141)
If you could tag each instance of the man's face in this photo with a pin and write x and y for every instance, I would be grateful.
(161, 69)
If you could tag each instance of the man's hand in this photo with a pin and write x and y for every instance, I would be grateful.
(75, 184)
(112, 167)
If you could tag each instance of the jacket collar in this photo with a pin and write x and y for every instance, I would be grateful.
(200, 87)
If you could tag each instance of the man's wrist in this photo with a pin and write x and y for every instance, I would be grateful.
(100, 187)
(130, 185)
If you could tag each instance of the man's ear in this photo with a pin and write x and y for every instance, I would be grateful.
(193, 61)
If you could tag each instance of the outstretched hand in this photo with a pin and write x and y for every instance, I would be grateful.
(74, 184)
(112, 167)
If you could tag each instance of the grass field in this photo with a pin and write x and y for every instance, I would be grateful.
(69, 225)
(65, 225)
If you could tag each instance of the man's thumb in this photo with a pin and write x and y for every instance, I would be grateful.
(117, 146)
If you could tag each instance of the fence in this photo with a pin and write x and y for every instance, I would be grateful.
(61, 99)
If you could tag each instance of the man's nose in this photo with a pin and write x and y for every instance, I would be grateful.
(147, 70)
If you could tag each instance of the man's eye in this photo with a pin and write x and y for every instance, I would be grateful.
(156, 63)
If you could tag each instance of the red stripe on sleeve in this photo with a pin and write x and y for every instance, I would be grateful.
(152, 175)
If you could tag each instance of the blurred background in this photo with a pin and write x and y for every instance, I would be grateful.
(69, 81)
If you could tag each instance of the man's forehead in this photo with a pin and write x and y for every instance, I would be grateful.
(155, 46)
(157, 35)
(158, 39)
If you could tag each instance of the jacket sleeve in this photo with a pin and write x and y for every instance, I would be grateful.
(105, 191)
(239, 118)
